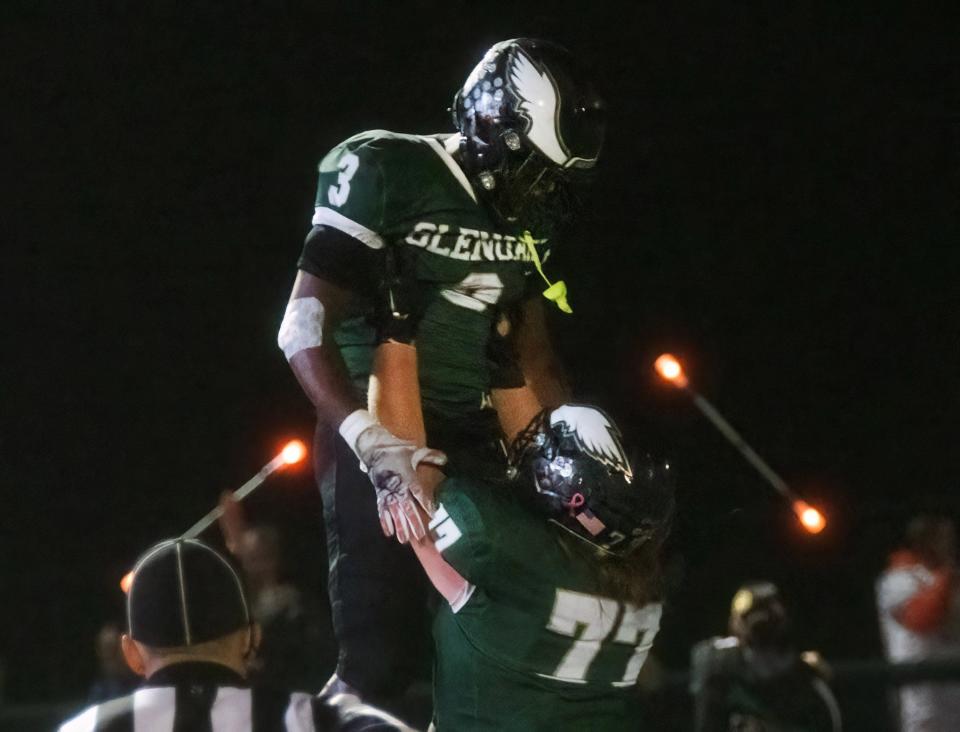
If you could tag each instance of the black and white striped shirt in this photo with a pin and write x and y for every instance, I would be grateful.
(203, 697)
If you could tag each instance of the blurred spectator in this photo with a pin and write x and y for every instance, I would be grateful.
(298, 650)
(918, 600)
(114, 678)
(191, 636)
(755, 680)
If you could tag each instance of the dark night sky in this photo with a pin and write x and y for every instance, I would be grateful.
(778, 205)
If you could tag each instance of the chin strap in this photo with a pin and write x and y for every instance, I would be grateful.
(556, 292)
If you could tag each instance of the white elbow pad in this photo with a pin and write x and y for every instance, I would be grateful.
(302, 326)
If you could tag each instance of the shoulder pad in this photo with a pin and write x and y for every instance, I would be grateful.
(815, 662)
(367, 183)
(714, 657)
(386, 144)
(722, 645)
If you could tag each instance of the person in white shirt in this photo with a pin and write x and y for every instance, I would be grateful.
(918, 601)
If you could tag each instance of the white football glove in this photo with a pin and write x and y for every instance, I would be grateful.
(392, 466)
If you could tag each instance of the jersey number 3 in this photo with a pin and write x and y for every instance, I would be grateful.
(594, 621)
(337, 195)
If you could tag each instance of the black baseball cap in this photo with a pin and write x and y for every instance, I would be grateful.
(183, 593)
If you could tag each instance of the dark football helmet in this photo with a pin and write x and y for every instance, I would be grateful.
(531, 128)
(582, 479)
(758, 616)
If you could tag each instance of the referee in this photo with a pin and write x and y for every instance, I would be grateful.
(191, 636)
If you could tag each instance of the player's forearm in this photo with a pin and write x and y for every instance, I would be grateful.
(542, 370)
(447, 581)
(548, 381)
(515, 409)
(324, 379)
(394, 392)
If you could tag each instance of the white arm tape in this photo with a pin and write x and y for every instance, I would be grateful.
(302, 326)
(355, 423)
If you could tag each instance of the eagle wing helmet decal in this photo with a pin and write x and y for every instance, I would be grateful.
(595, 434)
(540, 103)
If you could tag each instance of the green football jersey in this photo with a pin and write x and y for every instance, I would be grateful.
(406, 191)
(536, 646)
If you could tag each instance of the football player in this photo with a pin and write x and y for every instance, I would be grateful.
(755, 679)
(447, 235)
(548, 622)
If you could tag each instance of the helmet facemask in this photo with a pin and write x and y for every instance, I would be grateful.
(537, 195)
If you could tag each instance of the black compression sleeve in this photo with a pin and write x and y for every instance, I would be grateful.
(339, 258)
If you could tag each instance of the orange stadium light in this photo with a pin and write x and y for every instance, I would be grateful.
(669, 369)
(126, 582)
(293, 452)
(810, 518)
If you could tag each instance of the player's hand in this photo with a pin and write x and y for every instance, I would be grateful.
(233, 522)
(392, 465)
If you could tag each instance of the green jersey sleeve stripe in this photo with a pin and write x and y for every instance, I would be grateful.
(451, 164)
(458, 604)
(323, 216)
